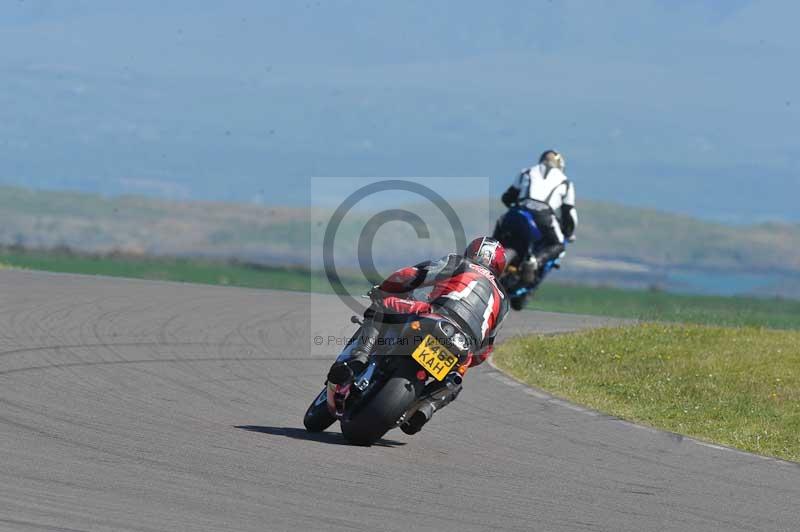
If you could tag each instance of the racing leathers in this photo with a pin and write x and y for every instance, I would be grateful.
(550, 197)
(462, 290)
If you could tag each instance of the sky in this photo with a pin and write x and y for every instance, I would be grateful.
(690, 107)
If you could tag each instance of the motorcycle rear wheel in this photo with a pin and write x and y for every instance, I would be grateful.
(383, 410)
(518, 303)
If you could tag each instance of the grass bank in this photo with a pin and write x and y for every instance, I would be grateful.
(652, 305)
(735, 386)
(643, 305)
(187, 270)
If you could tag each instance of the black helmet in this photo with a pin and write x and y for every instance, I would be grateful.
(553, 159)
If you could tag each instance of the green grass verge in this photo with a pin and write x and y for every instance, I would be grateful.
(643, 305)
(735, 386)
(186, 270)
(662, 306)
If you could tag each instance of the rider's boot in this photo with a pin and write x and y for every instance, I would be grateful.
(342, 372)
(548, 253)
(532, 268)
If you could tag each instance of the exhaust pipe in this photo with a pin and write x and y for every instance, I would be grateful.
(452, 383)
(453, 380)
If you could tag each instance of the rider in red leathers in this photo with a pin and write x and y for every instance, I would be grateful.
(464, 289)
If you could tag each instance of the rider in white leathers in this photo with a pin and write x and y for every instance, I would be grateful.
(546, 192)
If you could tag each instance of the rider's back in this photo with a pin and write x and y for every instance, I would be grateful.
(471, 295)
(544, 186)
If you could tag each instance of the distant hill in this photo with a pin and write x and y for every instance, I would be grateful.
(616, 244)
(44, 219)
(668, 240)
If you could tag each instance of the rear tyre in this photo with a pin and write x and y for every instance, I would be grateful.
(518, 303)
(318, 417)
(383, 410)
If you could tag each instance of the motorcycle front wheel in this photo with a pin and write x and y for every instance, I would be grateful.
(318, 417)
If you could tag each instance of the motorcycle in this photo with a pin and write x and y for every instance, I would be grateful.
(518, 233)
(420, 359)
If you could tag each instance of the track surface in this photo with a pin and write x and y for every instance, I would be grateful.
(130, 405)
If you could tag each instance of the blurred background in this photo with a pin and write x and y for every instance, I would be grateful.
(193, 128)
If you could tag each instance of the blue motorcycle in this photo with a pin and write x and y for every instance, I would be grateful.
(519, 234)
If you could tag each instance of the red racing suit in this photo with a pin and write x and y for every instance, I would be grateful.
(463, 290)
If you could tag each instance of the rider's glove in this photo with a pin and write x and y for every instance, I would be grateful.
(376, 295)
(510, 196)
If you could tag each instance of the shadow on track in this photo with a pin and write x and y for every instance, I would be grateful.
(331, 438)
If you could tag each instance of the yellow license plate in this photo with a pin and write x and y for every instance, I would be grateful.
(434, 357)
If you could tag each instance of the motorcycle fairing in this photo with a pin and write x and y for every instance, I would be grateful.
(517, 230)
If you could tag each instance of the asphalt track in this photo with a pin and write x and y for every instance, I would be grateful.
(142, 406)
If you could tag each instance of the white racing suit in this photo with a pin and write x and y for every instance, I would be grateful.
(550, 197)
